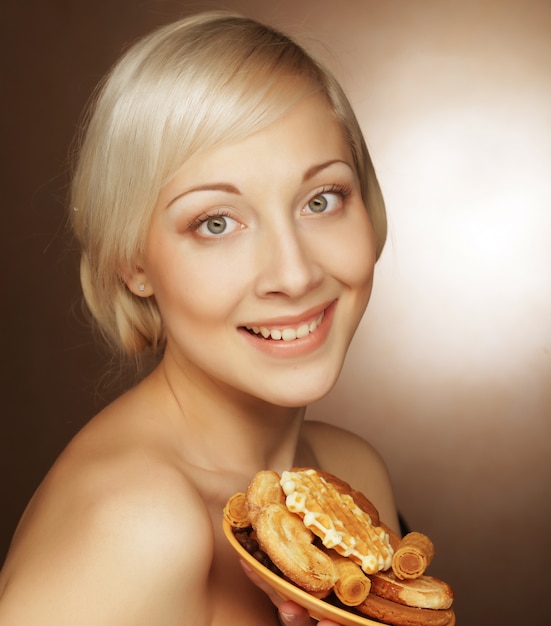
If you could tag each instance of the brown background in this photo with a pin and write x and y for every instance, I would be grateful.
(450, 375)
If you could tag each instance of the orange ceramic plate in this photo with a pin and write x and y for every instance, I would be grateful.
(318, 609)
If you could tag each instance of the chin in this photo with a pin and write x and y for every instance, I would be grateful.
(301, 393)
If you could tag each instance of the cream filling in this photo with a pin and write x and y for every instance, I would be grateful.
(286, 334)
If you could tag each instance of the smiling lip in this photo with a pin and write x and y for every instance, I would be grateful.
(300, 337)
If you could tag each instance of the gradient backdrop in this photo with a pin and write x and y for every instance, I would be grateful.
(450, 375)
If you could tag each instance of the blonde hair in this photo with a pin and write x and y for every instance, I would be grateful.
(204, 80)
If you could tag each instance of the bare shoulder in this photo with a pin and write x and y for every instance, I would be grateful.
(106, 539)
(352, 458)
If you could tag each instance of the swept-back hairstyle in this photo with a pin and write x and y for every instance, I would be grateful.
(204, 80)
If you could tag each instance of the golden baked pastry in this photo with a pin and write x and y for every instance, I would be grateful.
(401, 615)
(288, 542)
(352, 586)
(327, 538)
(236, 512)
(412, 556)
(337, 520)
(425, 592)
(263, 489)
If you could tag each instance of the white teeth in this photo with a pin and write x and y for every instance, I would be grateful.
(286, 334)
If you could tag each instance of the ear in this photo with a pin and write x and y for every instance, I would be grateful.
(136, 280)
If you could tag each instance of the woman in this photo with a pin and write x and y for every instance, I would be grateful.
(229, 219)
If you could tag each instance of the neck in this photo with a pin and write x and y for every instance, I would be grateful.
(224, 430)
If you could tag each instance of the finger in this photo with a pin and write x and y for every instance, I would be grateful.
(261, 584)
(291, 614)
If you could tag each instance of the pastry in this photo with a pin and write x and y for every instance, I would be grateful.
(288, 543)
(352, 586)
(236, 512)
(412, 556)
(425, 592)
(345, 489)
(325, 537)
(401, 615)
(263, 489)
(337, 520)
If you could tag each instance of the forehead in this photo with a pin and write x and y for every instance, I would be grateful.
(306, 135)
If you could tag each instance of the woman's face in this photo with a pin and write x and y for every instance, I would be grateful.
(260, 255)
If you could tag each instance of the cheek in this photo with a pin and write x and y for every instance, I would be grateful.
(192, 284)
(355, 255)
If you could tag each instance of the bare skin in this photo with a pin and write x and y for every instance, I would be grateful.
(126, 528)
(123, 498)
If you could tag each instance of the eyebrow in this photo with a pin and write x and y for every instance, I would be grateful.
(315, 169)
(229, 188)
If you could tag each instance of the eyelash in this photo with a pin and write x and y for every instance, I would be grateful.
(341, 190)
(205, 217)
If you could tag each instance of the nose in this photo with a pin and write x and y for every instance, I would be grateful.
(287, 264)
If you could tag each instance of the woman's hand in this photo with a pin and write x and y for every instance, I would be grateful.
(290, 613)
